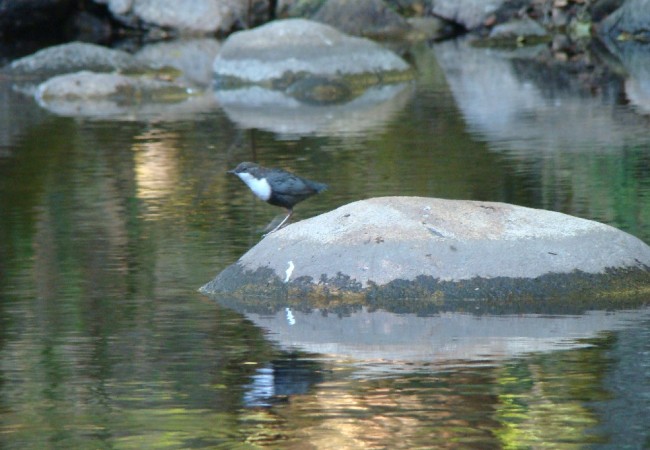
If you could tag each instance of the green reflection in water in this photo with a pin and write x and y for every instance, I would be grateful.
(176, 384)
(532, 402)
(106, 230)
(543, 400)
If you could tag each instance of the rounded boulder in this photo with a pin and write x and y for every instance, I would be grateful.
(390, 249)
(283, 51)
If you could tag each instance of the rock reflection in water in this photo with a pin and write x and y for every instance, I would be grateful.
(445, 337)
(456, 380)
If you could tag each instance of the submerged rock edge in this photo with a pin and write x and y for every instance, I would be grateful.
(616, 288)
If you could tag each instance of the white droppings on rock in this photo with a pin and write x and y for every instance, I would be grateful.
(289, 271)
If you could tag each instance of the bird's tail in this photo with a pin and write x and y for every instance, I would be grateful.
(319, 187)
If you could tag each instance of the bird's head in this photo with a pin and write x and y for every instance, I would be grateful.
(245, 167)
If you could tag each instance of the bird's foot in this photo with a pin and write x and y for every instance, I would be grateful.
(280, 225)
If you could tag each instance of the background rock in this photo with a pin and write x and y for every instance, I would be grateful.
(467, 13)
(370, 18)
(184, 16)
(298, 8)
(600, 9)
(284, 48)
(193, 57)
(517, 29)
(632, 18)
(86, 86)
(72, 57)
(111, 96)
(200, 16)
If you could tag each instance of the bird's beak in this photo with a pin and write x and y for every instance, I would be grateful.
(231, 171)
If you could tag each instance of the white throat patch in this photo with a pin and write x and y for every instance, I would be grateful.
(261, 187)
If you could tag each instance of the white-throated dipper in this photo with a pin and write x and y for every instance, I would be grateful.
(276, 186)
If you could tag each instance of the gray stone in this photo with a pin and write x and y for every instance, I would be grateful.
(201, 16)
(631, 19)
(517, 29)
(286, 48)
(298, 8)
(396, 247)
(85, 80)
(429, 27)
(72, 57)
(87, 85)
(600, 9)
(468, 13)
(193, 57)
(119, 97)
(626, 33)
(632, 57)
(118, 7)
(187, 17)
(363, 18)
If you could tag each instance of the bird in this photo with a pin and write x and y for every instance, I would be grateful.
(277, 186)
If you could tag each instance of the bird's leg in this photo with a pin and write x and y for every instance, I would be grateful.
(281, 224)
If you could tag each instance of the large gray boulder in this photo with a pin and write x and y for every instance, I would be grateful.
(284, 51)
(394, 248)
(299, 77)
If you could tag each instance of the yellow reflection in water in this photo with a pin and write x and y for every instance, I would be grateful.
(541, 401)
(156, 165)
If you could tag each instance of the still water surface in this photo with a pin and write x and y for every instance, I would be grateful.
(109, 225)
